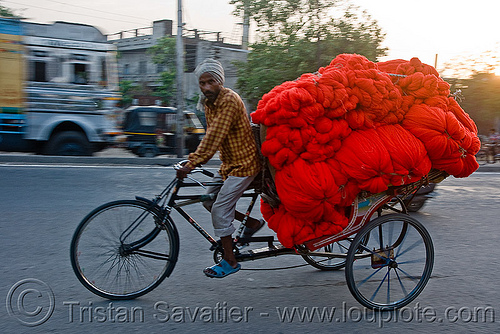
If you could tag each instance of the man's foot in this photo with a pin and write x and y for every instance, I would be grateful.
(221, 269)
(250, 231)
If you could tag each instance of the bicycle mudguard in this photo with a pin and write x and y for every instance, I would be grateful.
(147, 201)
(159, 209)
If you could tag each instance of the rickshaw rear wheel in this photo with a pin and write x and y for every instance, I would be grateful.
(390, 268)
(334, 262)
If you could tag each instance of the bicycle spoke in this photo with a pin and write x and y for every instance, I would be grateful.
(388, 299)
(411, 247)
(412, 277)
(360, 283)
(379, 286)
(421, 260)
(401, 283)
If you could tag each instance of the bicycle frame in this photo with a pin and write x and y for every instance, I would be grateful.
(177, 201)
(171, 199)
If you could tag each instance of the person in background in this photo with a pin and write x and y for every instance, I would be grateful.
(493, 141)
(229, 132)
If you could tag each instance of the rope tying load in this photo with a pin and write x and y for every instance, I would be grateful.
(357, 126)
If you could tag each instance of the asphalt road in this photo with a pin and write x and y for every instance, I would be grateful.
(41, 205)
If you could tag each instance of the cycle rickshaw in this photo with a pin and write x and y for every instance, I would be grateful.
(126, 248)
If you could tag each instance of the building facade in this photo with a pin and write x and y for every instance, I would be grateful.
(64, 52)
(136, 65)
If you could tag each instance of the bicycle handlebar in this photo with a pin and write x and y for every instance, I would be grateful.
(197, 169)
(180, 164)
(207, 173)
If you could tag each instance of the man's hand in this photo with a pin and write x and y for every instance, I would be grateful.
(183, 171)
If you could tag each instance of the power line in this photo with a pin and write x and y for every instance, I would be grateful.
(65, 12)
(96, 10)
(223, 34)
(231, 37)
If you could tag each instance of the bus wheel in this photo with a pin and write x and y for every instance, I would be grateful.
(68, 143)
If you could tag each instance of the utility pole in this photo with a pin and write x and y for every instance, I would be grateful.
(246, 26)
(180, 83)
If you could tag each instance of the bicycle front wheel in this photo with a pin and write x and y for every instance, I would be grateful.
(124, 249)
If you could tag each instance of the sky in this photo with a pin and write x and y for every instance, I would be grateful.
(414, 28)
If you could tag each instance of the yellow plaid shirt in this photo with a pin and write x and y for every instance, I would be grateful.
(228, 131)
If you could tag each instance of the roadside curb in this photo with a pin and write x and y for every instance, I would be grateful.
(123, 161)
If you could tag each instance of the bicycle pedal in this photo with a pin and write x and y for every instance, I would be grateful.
(240, 246)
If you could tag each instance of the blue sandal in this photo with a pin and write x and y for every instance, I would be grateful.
(221, 269)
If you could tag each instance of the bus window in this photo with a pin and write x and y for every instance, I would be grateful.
(104, 77)
(39, 66)
(39, 71)
(80, 74)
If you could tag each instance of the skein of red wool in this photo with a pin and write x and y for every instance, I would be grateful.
(364, 157)
(310, 191)
(292, 231)
(356, 125)
(416, 81)
(462, 116)
(408, 154)
(450, 145)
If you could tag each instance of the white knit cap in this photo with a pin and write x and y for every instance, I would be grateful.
(213, 67)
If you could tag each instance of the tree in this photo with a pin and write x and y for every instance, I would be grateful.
(475, 76)
(299, 36)
(482, 101)
(466, 66)
(7, 12)
(163, 54)
(127, 91)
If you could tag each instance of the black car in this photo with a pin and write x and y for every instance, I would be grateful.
(151, 130)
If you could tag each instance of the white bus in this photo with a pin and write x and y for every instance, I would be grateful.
(69, 89)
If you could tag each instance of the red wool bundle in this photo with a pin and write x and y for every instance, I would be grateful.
(356, 125)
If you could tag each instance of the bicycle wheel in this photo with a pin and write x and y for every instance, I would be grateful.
(334, 262)
(329, 263)
(392, 268)
(123, 249)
